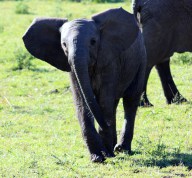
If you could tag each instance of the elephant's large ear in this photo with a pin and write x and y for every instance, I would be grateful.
(42, 40)
(118, 27)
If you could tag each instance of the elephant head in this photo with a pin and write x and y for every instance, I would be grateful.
(73, 46)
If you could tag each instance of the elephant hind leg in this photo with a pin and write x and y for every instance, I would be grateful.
(170, 90)
(130, 108)
(144, 101)
(130, 104)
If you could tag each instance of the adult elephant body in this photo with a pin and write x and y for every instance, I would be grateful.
(106, 58)
(166, 27)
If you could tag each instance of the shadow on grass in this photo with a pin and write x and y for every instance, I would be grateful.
(157, 156)
(176, 160)
(169, 159)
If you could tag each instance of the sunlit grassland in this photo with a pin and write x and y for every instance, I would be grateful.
(39, 132)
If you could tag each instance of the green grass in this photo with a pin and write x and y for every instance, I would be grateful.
(39, 132)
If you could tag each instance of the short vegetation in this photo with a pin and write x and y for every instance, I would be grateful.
(23, 59)
(39, 132)
(185, 58)
(22, 8)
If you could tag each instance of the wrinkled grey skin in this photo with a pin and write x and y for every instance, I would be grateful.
(106, 59)
(167, 27)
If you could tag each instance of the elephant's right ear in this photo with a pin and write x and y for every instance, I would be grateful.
(43, 40)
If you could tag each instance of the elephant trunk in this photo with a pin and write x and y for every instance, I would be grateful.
(79, 66)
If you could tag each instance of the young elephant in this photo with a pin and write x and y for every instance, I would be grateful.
(106, 59)
(166, 26)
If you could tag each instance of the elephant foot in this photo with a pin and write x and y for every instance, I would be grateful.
(120, 148)
(178, 99)
(100, 158)
(145, 103)
(97, 158)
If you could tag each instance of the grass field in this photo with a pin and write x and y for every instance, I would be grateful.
(39, 131)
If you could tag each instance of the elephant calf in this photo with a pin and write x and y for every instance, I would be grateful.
(106, 60)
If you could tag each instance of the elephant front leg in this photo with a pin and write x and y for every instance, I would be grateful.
(109, 136)
(170, 90)
(91, 137)
(130, 108)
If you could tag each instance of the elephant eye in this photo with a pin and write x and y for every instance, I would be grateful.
(92, 42)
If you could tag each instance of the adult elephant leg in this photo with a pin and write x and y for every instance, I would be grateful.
(86, 120)
(170, 90)
(130, 108)
(109, 135)
(144, 101)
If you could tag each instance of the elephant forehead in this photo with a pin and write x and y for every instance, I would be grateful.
(79, 25)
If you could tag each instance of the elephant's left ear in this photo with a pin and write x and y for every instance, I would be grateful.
(43, 40)
(117, 26)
